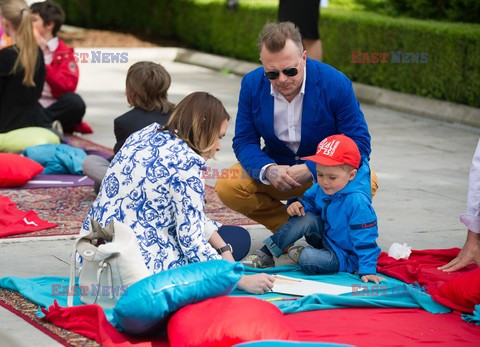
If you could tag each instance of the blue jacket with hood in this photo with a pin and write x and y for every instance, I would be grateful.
(350, 222)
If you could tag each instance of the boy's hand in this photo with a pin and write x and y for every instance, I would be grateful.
(372, 278)
(295, 209)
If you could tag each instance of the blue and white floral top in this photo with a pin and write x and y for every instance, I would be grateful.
(154, 185)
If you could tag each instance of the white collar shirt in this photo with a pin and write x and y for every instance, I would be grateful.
(52, 46)
(287, 116)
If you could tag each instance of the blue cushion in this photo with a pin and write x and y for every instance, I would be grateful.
(148, 303)
(57, 159)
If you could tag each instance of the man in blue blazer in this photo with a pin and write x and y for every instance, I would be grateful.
(291, 103)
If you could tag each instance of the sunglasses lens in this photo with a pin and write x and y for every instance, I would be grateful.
(291, 72)
(272, 75)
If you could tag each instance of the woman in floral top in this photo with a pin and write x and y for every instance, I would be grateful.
(154, 185)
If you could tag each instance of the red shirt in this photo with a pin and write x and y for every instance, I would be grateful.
(62, 72)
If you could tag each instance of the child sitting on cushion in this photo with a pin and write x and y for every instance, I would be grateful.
(146, 89)
(335, 215)
(58, 95)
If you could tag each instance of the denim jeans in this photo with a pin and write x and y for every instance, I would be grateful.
(319, 257)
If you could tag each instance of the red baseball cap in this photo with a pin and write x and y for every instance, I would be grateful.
(336, 150)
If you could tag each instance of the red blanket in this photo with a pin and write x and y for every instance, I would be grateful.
(356, 326)
(459, 290)
(14, 221)
(90, 321)
(421, 267)
(385, 327)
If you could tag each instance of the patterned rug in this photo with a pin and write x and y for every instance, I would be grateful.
(78, 141)
(26, 310)
(69, 206)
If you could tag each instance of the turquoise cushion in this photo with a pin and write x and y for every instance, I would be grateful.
(16, 141)
(148, 303)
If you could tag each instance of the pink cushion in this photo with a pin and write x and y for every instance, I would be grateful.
(461, 293)
(227, 320)
(16, 170)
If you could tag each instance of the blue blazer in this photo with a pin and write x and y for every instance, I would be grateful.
(329, 107)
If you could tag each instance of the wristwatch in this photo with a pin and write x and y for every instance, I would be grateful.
(226, 248)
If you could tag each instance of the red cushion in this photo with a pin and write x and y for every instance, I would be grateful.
(461, 293)
(226, 320)
(16, 170)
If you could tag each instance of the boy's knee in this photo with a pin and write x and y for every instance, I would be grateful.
(316, 262)
(310, 222)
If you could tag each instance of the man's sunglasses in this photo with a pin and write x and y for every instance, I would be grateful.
(274, 74)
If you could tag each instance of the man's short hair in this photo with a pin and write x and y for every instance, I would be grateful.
(274, 35)
(50, 13)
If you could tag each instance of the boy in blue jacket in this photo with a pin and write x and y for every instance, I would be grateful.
(335, 216)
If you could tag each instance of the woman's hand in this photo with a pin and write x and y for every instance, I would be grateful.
(470, 253)
(256, 284)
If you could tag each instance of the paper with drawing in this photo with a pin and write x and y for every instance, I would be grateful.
(301, 287)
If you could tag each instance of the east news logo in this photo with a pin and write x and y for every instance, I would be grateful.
(396, 57)
(99, 57)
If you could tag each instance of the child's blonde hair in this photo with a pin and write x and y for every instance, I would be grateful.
(18, 14)
(197, 120)
(147, 85)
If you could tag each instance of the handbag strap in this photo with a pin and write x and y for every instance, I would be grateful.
(102, 266)
(71, 282)
(87, 250)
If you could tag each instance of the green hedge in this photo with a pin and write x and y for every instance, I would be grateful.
(451, 73)
(451, 10)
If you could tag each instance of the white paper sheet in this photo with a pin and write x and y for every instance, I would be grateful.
(301, 287)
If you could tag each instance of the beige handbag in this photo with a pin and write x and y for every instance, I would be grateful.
(111, 262)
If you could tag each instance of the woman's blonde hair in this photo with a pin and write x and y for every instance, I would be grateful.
(147, 85)
(197, 120)
(18, 14)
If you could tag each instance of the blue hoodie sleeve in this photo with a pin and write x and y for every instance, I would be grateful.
(308, 200)
(363, 234)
